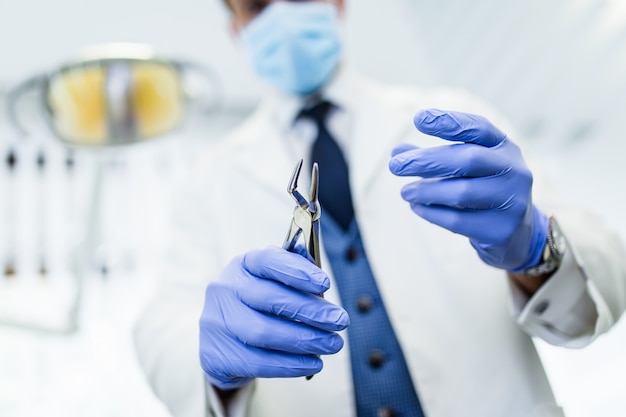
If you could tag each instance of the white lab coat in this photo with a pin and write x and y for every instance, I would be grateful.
(463, 330)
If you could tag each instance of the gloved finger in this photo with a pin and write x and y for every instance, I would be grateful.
(262, 363)
(459, 160)
(275, 333)
(404, 147)
(277, 299)
(300, 249)
(482, 225)
(234, 364)
(230, 363)
(289, 268)
(463, 193)
(458, 126)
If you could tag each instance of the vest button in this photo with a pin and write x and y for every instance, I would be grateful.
(352, 254)
(376, 358)
(364, 303)
(385, 412)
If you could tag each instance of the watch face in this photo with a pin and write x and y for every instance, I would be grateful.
(557, 238)
(553, 252)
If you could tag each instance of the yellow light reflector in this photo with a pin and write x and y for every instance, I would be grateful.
(78, 105)
(156, 97)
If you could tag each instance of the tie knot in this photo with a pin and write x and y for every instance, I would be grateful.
(317, 112)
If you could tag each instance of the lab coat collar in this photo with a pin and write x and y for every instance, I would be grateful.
(376, 125)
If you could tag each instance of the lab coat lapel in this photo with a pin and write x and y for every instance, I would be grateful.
(377, 128)
(383, 123)
(267, 160)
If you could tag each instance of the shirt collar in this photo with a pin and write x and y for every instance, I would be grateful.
(340, 91)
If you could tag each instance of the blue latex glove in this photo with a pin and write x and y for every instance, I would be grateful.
(262, 318)
(480, 188)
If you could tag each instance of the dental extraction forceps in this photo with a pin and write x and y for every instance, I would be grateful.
(306, 219)
(306, 216)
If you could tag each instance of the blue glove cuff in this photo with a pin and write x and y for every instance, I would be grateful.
(541, 224)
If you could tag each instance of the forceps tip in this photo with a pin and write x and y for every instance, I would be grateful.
(314, 184)
(293, 181)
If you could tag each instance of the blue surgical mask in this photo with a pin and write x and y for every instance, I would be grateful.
(295, 46)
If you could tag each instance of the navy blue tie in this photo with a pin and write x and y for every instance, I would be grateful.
(383, 386)
(334, 183)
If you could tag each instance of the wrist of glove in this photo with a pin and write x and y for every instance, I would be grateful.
(479, 187)
(524, 248)
(262, 318)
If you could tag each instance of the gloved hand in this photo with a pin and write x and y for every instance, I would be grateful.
(480, 188)
(263, 318)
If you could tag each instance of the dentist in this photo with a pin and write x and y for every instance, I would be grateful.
(442, 254)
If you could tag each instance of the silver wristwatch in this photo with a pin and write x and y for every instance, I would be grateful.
(553, 252)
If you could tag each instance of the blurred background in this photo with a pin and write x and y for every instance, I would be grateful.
(80, 227)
